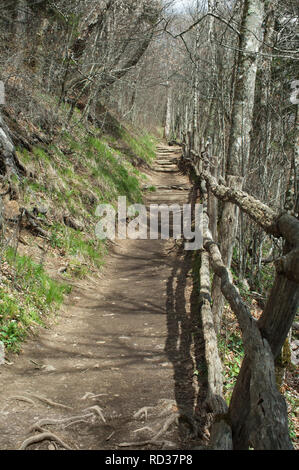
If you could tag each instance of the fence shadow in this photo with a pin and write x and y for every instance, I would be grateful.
(185, 344)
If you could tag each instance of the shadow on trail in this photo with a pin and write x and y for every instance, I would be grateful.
(185, 344)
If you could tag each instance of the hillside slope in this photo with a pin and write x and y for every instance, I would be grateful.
(60, 174)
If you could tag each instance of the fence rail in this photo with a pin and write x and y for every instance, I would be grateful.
(257, 414)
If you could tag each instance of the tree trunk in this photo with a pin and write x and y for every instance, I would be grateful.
(262, 418)
(274, 325)
(212, 200)
(20, 30)
(167, 125)
(296, 164)
(8, 163)
(10, 167)
(292, 195)
(239, 142)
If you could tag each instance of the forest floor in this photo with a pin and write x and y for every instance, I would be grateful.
(117, 366)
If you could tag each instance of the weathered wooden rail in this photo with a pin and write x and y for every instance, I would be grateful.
(257, 414)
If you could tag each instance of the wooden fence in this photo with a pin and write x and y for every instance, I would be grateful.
(257, 414)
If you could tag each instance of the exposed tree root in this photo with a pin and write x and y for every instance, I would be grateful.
(145, 428)
(110, 435)
(45, 435)
(143, 411)
(172, 419)
(87, 395)
(155, 439)
(42, 437)
(92, 396)
(75, 422)
(53, 422)
(21, 398)
(49, 402)
(170, 405)
(147, 443)
(98, 410)
(32, 224)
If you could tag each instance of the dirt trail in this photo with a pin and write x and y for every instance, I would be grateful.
(120, 345)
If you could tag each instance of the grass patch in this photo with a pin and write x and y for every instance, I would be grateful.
(293, 402)
(231, 352)
(27, 296)
(78, 246)
(114, 170)
(143, 146)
